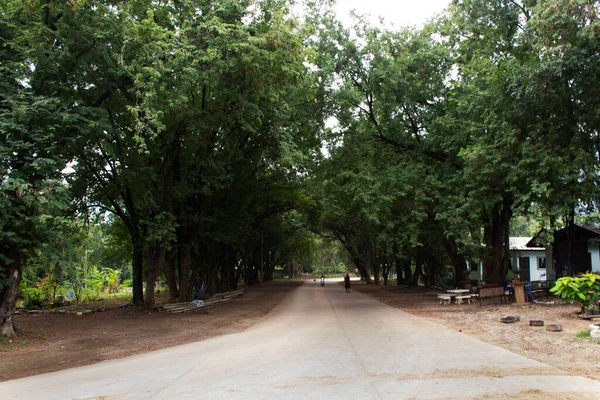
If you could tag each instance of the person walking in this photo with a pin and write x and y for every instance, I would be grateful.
(347, 283)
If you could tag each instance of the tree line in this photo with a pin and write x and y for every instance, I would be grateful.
(203, 130)
(448, 133)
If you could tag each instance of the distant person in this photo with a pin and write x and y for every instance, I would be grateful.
(347, 283)
(322, 280)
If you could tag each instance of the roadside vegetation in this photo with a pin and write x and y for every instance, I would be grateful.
(207, 143)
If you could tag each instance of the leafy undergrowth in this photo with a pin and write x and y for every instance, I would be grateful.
(107, 302)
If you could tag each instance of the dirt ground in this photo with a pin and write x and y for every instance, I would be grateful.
(559, 349)
(51, 342)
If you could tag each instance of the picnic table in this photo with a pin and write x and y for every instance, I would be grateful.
(455, 296)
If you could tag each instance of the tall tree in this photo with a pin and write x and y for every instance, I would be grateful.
(32, 141)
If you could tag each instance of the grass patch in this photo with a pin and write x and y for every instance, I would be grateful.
(583, 334)
(586, 335)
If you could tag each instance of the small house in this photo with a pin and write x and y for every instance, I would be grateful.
(585, 250)
(528, 259)
(525, 256)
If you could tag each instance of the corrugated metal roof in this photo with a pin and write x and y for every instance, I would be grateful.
(520, 244)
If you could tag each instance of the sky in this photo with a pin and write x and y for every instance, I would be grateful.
(398, 12)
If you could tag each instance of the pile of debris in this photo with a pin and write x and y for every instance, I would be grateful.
(196, 305)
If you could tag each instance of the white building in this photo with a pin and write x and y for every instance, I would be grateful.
(530, 261)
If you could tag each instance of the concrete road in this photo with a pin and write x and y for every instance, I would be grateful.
(320, 343)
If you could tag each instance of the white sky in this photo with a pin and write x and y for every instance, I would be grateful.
(397, 12)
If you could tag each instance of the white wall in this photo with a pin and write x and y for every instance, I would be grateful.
(535, 273)
(475, 275)
(595, 256)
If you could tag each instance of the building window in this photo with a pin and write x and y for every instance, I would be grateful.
(541, 262)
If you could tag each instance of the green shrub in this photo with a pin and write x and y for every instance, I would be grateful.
(32, 296)
(90, 294)
(127, 283)
(594, 302)
(582, 288)
(105, 280)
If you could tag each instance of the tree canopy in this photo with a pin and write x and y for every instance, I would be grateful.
(204, 142)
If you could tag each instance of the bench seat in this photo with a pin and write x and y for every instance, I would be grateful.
(466, 297)
(444, 298)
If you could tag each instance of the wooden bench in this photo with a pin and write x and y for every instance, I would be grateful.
(487, 292)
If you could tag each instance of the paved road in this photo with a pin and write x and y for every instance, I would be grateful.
(320, 343)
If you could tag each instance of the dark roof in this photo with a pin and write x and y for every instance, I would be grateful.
(582, 232)
(591, 228)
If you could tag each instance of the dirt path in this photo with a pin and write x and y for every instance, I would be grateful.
(319, 343)
(559, 349)
(52, 342)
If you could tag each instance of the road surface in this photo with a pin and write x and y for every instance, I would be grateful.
(320, 343)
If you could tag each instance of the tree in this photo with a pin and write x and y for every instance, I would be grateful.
(31, 158)
(190, 100)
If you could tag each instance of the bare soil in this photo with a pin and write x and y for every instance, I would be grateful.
(578, 356)
(52, 342)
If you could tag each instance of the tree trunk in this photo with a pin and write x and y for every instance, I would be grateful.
(8, 295)
(496, 240)
(570, 241)
(184, 288)
(156, 259)
(404, 265)
(137, 266)
(171, 276)
(292, 267)
(459, 263)
(418, 272)
(252, 272)
(385, 273)
(362, 270)
(399, 275)
(430, 271)
(376, 275)
(234, 278)
(238, 275)
(268, 273)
